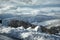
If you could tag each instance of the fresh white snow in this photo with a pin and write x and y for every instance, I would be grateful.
(26, 34)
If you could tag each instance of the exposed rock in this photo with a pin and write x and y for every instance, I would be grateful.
(52, 30)
(0, 21)
(43, 29)
(17, 23)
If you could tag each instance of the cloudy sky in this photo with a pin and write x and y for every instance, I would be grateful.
(29, 6)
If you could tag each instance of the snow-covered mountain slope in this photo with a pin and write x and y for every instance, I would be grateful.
(55, 22)
(49, 23)
(2, 37)
(26, 34)
(38, 12)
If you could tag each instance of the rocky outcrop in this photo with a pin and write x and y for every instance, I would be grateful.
(17, 23)
(52, 30)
